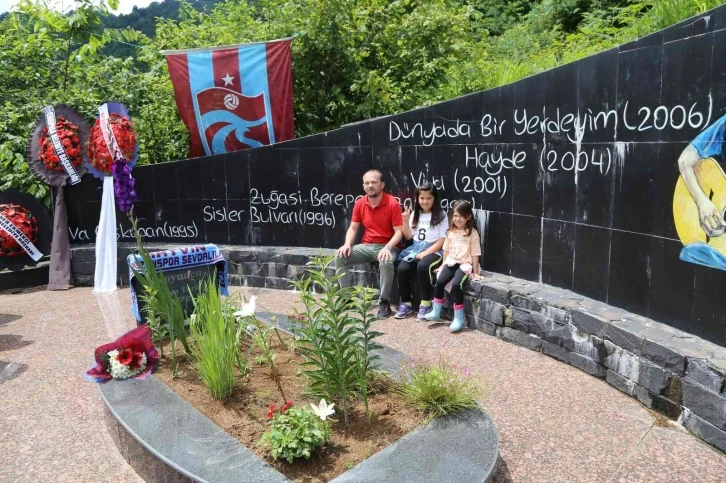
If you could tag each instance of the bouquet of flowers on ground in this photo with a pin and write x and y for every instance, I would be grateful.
(130, 356)
(69, 135)
(24, 220)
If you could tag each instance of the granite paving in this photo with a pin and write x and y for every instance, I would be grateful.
(555, 422)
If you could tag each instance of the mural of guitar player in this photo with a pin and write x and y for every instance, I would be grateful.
(699, 201)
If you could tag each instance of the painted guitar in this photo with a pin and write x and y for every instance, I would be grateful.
(712, 180)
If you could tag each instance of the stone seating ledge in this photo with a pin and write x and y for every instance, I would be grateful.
(669, 371)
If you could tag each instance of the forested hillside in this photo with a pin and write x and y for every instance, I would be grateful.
(144, 21)
(352, 59)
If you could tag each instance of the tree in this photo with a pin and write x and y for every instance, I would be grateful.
(48, 58)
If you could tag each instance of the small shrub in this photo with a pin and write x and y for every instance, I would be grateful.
(335, 336)
(438, 389)
(159, 331)
(215, 344)
(295, 433)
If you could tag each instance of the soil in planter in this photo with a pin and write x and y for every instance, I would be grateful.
(244, 415)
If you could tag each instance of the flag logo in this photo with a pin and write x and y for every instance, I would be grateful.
(231, 102)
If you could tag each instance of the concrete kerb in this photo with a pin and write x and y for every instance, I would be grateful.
(668, 370)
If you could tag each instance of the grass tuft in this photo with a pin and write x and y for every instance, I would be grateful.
(439, 389)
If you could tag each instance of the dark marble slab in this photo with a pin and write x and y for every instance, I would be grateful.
(462, 449)
(180, 436)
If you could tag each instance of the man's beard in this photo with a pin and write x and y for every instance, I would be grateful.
(375, 195)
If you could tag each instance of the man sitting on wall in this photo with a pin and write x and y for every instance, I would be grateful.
(380, 215)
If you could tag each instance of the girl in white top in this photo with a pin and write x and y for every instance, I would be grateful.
(427, 226)
(462, 250)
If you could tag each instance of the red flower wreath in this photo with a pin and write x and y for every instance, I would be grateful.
(98, 153)
(68, 133)
(21, 218)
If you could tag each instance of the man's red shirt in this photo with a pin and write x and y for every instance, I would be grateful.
(378, 222)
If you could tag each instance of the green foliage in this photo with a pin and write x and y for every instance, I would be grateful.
(165, 304)
(159, 331)
(336, 340)
(262, 340)
(144, 20)
(555, 32)
(352, 59)
(214, 340)
(438, 389)
(295, 434)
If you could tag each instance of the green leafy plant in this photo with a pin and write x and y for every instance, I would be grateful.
(165, 304)
(295, 433)
(335, 337)
(159, 331)
(439, 389)
(262, 340)
(214, 342)
(261, 335)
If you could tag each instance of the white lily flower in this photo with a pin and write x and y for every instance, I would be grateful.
(322, 410)
(247, 310)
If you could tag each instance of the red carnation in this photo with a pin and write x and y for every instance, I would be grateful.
(271, 411)
(125, 357)
(68, 134)
(99, 154)
(138, 359)
(24, 221)
(286, 406)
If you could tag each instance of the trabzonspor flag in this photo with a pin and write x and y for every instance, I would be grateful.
(234, 97)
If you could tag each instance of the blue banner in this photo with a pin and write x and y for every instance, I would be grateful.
(175, 262)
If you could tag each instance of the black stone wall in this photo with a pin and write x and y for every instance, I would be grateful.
(572, 172)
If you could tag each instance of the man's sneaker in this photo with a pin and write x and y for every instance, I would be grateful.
(422, 311)
(384, 309)
(403, 311)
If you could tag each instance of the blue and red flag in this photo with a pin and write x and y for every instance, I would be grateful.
(234, 97)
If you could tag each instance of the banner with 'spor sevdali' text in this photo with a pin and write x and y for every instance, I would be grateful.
(178, 266)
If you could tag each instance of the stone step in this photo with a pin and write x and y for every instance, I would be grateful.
(31, 276)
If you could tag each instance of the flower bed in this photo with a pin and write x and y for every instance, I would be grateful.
(245, 375)
(245, 416)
